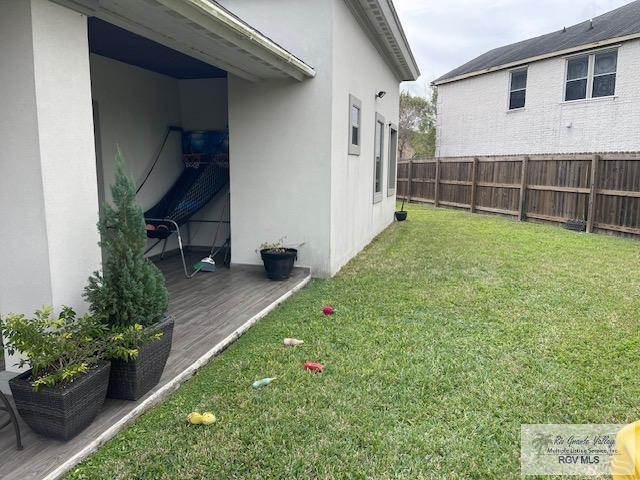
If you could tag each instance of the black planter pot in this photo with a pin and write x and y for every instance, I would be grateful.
(401, 216)
(132, 379)
(279, 264)
(61, 412)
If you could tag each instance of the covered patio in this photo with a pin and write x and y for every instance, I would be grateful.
(130, 72)
(210, 310)
(116, 75)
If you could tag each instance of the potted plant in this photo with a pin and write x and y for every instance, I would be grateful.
(278, 260)
(66, 385)
(401, 215)
(130, 293)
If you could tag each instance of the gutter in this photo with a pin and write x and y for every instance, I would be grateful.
(377, 27)
(544, 56)
(247, 32)
(413, 65)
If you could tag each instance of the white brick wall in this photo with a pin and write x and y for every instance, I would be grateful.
(473, 118)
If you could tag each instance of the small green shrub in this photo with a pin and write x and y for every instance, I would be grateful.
(130, 289)
(126, 340)
(275, 247)
(58, 350)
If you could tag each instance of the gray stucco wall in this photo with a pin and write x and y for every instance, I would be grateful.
(280, 135)
(291, 175)
(48, 186)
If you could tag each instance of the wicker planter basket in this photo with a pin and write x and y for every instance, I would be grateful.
(61, 412)
(131, 380)
(576, 225)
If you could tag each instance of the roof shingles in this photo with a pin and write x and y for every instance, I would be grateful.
(614, 24)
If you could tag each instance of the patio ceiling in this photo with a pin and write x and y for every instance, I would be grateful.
(203, 30)
(120, 44)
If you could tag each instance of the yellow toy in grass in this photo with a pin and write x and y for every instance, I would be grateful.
(194, 418)
(208, 418)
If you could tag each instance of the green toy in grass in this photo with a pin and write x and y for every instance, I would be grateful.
(262, 383)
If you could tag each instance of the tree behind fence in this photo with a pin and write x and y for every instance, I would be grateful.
(603, 190)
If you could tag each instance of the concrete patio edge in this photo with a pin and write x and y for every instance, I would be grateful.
(170, 386)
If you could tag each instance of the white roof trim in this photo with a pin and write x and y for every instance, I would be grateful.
(248, 32)
(380, 21)
(558, 53)
(203, 30)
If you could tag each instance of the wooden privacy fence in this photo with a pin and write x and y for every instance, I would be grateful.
(601, 189)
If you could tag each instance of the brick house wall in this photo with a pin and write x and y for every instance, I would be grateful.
(473, 118)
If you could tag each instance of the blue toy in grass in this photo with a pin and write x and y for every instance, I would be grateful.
(262, 383)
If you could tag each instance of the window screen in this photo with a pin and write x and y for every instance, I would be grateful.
(591, 76)
(577, 78)
(604, 74)
(355, 125)
(378, 149)
(518, 89)
(393, 156)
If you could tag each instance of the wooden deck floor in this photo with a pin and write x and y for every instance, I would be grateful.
(208, 309)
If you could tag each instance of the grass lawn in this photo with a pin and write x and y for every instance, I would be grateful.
(451, 330)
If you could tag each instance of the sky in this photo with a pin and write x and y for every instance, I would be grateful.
(445, 34)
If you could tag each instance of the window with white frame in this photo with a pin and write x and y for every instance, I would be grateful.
(393, 156)
(591, 76)
(378, 158)
(355, 125)
(518, 89)
(605, 66)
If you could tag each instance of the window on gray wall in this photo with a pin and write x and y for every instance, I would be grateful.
(518, 89)
(393, 156)
(378, 158)
(355, 125)
(591, 76)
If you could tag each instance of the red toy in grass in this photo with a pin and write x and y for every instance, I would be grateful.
(314, 367)
(328, 310)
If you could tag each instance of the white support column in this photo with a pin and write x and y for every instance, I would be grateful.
(48, 187)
